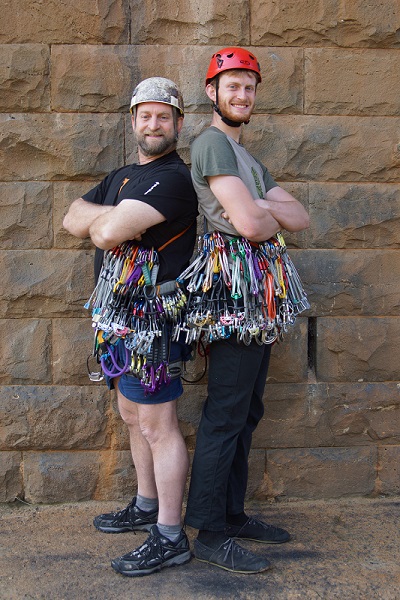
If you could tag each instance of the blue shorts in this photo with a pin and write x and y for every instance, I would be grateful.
(133, 390)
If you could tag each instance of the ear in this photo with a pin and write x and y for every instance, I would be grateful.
(211, 92)
(179, 124)
(133, 122)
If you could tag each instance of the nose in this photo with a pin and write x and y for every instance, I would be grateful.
(153, 123)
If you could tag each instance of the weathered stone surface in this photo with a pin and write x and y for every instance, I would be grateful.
(351, 82)
(354, 215)
(288, 362)
(77, 87)
(160, 22)
(45, 283)
(117, 478)
(76, 82)
(324, 415)
(10, 476)
(321, 148)
(300, 191)
(256, 472)
(350, 282)
(73, 22)
(22, 205)
(358, 349)
(64, 194)
(60, 476)
(72, 344)
(24, 77)
(59, 146)
(53, 417)
(389, 474)
(320, 473)
(25, 350)
(327, 23)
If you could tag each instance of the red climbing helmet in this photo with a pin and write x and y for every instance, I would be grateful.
(232, 58)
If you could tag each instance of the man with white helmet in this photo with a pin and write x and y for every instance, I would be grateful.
(152, 202)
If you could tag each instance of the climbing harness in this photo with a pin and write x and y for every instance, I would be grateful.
(134, 317)
(240, 287)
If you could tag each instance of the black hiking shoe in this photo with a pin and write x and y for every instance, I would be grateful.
(231, 557)
(130, 518)
(257, 531)
(156, 553)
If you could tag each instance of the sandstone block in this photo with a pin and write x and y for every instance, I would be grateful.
(358, 349)
(389, 474)
(350, 282)
(74, 22)
(64, 194)
(351, 82)
(354, 215)
(160, 22)
(24, 77)
(53, 417)
(59, 146)
(322, 148)
(76, 82)
(25, 351)
(320, 472)
(117, 479)
(289, 358)
(24, 204)
(10, 476)
(353, 24)
(334, 414)
(72, 344)
(256, 472)
(45, 283)
(60, 476)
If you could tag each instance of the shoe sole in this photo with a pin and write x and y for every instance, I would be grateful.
(240, 572)
(105, 529)
(172, 562)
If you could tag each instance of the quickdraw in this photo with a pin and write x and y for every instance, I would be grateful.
(239, 287)
(134, 318)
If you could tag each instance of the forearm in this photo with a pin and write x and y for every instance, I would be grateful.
(291, 215)
(81, 215)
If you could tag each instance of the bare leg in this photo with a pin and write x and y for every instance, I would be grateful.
(140, 449)
(159, 426)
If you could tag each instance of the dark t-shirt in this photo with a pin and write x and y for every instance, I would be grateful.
(165, 184)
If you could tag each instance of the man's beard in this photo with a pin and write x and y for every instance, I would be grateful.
(155, 148)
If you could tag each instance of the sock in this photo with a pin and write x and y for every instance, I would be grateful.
(238, 520)
(146, 504)
(172, 532)
(212, 539)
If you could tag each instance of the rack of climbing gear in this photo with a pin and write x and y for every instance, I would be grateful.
(134, 317)
(240, 287)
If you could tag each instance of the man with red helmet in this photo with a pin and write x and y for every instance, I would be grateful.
(237, 197)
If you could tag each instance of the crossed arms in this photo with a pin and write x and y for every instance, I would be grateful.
(257, 219)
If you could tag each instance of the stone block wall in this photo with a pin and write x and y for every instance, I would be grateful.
(327, 125)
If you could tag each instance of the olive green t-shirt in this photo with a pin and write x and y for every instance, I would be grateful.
(214, 153)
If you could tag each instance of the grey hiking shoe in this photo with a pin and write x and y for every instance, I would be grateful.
(130, 518)
(156, 553)
(231, 557)
(257, 531)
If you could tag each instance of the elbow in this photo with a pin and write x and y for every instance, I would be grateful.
(301, 223)
(70, 225)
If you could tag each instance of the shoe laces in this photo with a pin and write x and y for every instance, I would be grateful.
(152, 547)
(125, 512)
(258, 523)
(232, 548)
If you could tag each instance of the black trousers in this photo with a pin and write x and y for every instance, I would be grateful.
(232, 410)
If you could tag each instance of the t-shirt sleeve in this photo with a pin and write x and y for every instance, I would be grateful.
(157, 191)
(214, 157)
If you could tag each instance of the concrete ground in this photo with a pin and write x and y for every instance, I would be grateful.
(346, 549)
